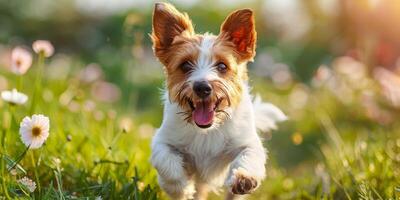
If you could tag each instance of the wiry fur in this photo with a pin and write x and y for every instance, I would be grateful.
(191, 160)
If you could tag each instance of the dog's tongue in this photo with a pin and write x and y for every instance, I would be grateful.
(203, 114)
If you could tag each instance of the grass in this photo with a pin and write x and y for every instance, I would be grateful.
(330, 149)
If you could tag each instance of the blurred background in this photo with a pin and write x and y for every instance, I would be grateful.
(333, 66)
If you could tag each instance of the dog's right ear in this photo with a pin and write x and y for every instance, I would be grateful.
(167, 24)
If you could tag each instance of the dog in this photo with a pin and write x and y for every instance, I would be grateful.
(208, 137)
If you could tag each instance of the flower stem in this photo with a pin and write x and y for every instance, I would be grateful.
(38, 82)
(3, 176)
(57, 174)
(4, 131)
(20, 83)
(34, 164)
(7, 123)
(8, 119)
(14, 121)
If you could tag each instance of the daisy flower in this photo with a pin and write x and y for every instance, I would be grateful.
(28, 183)
(14, 97)
(21, 60)
(43, 46)
(34, 130)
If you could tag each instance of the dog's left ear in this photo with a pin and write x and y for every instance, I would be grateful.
(239, 29)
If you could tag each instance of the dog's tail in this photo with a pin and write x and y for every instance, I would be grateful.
(266, 115)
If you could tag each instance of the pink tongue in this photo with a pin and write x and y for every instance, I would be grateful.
(203, 114)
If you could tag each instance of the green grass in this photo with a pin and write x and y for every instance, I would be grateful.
(339, 153)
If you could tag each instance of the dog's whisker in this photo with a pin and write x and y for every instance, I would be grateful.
(228, 98)
(224, 112)
(188, 118)
(181, 113)
(224, 89)
(179, 95)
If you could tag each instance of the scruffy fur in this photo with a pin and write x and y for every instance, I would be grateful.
(191, 160)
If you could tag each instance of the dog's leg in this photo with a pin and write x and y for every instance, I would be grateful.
(201, 191)
(177, 189)
(247, 170)
(172, 177)
(230, 196)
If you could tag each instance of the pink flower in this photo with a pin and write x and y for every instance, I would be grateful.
(106, 92)
(21, 60)
(43, 46)
(390, 84)
(321, 76)
(91, 73)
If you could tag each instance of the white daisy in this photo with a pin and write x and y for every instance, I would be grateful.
(43, 46)
(14, 97)
(34, 131)
(21, 60)
(28, 183)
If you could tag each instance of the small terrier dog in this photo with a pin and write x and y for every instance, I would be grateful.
(208, 137)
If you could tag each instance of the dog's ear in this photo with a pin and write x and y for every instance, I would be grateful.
(239, 29)
(167, 24)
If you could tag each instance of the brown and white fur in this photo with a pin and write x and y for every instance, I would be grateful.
(208, 137)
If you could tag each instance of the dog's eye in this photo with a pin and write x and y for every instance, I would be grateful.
(221, 67)
(186, 66)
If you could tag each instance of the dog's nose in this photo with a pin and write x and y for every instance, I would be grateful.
(202, 89)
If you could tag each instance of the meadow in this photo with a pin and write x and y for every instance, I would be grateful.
(99, 88)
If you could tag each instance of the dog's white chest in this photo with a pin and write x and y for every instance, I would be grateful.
(206, 145)
(209, 155)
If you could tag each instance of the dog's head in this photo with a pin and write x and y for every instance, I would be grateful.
(205, 73)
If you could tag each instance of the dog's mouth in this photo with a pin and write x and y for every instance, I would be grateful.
(203, 111)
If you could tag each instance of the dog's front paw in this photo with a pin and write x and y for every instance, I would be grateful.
(241, 183)
(244, 185)
(178, 189)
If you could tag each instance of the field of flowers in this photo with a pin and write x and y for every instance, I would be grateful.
(57, 144)
(78, 108)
